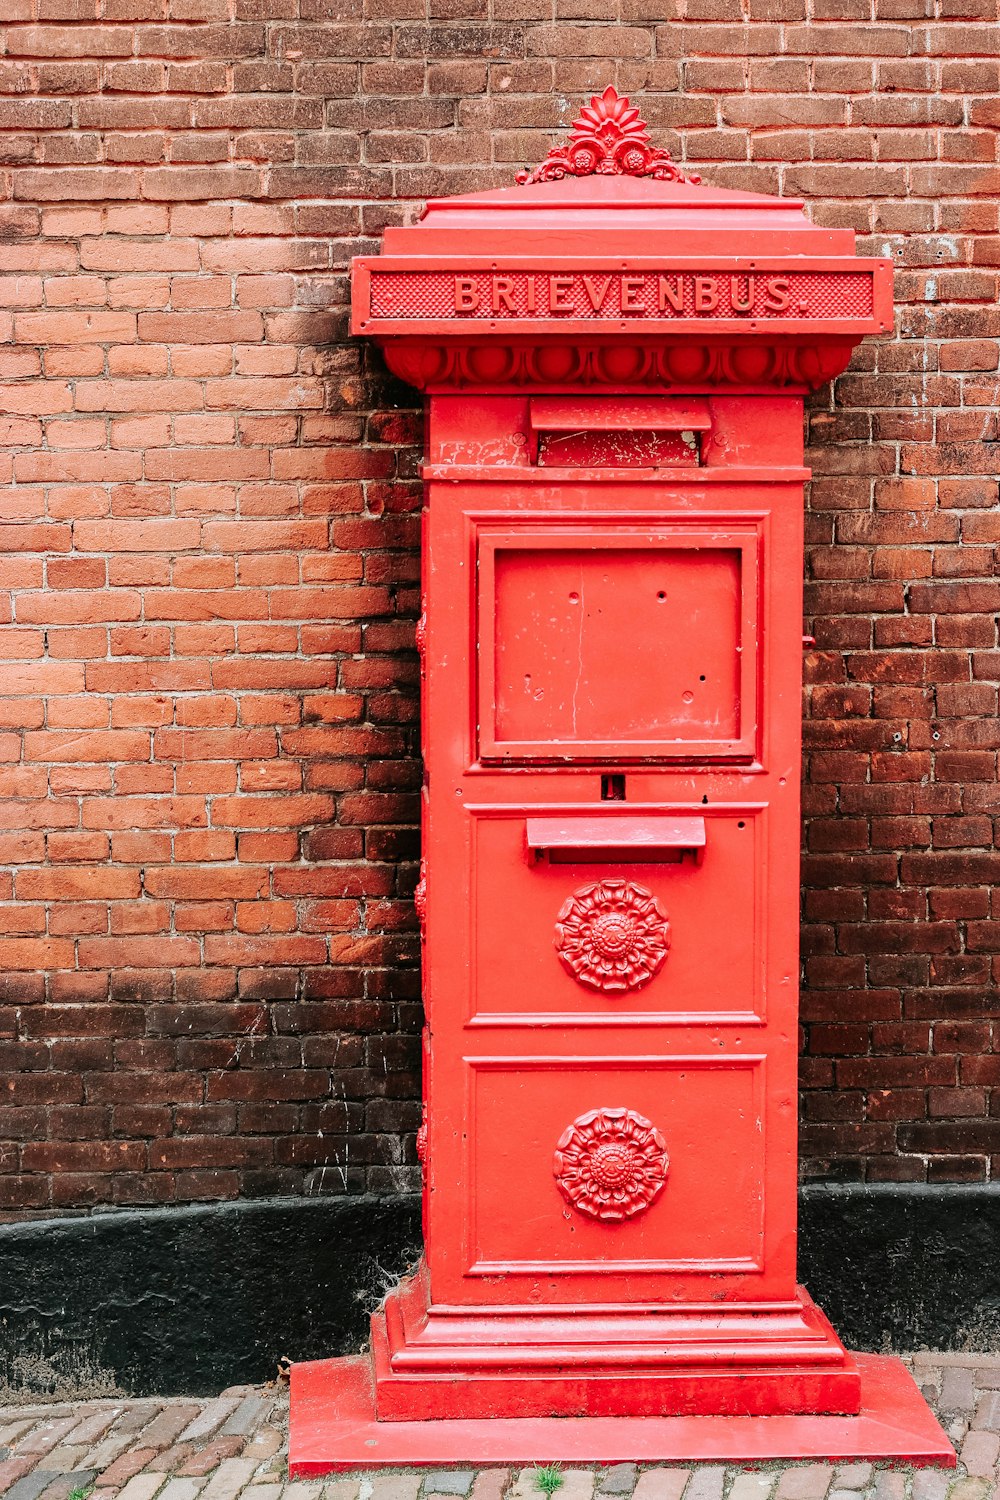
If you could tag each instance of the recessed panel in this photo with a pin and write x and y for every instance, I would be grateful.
(596, 643)
(665, 933)
(616, 1163)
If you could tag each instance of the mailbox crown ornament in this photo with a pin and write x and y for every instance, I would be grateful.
(609, 136)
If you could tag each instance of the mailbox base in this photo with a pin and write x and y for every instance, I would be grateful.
(570, 1360)
(334, 1427)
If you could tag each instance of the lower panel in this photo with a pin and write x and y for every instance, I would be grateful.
(333, 1426)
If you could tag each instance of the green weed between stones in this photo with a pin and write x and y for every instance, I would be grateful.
(547, 1479)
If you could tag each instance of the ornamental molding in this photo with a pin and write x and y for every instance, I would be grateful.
(420, 636)
(420, 898)
(611, 1164)
(609, 137)
(589, 365)
(612, 935)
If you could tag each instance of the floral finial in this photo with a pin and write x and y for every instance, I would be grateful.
(609, 137)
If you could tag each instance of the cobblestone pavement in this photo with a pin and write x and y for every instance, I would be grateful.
(236, 1445)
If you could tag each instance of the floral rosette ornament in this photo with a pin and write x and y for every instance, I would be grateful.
(611, 1164)
(609, 137)
(612, 935)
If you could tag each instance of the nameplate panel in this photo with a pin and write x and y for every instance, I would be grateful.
(474, 295)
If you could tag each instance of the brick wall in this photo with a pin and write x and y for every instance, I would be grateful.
(208, 562)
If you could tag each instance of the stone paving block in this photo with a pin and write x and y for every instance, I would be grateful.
(890, 1485)
(169, 1459)
(251, 1410)
(489, 1484)
(988, 1411)
(448, 1481)
(11, 1431)
(30, 1486)
(402, 1486)
(181, 1489)
(970, 1489)
(46, 1436)
(265, 1442)
(137, 1415)
(65, 1485)
(12, 1468)
(212, 1416)
(958, 1391)
(661, 1484)
(932, 1484)
(142, 1487)
(125, 1465)
(852, 1476)
(578, 1484)
(66, 1457)
(979, 1453)
(618, 1480)
(233, 1475)
(105, 1452)
(705, 1483)
(748, 1486)
(203, 1460)
(805, 1482)
(303, 1489)
(523, 1487)
(93, 1426)
(165, 1428)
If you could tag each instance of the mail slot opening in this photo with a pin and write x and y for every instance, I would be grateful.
(639, 449)
(629, 432)
(645, 838)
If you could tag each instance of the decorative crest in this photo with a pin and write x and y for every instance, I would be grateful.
(610, 138)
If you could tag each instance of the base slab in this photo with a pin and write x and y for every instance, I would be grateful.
(333, 1427)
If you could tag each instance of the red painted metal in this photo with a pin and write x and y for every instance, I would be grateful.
(608, 137)
(612, 650)
(334, 1427)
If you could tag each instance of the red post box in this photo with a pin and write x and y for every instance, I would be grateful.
(615, 358)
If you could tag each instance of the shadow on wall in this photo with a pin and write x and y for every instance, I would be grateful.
(186, 1301)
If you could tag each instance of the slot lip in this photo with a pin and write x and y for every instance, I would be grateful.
(562, 416)
(620, 413)
(643, 837)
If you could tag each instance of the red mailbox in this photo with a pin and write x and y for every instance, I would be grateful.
(615, 358)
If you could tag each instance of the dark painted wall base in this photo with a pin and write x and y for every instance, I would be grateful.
(187, 1301)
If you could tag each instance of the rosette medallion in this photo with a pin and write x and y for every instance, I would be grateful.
(612, 935)
(610, 1163)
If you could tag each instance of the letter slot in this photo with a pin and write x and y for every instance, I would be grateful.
(635, 432)
(649, 839)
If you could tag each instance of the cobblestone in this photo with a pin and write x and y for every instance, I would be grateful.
(233, 1447)
(618, 1480)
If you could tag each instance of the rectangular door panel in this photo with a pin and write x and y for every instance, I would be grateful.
(647, 914)
(600, 640)
(602, 1165)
